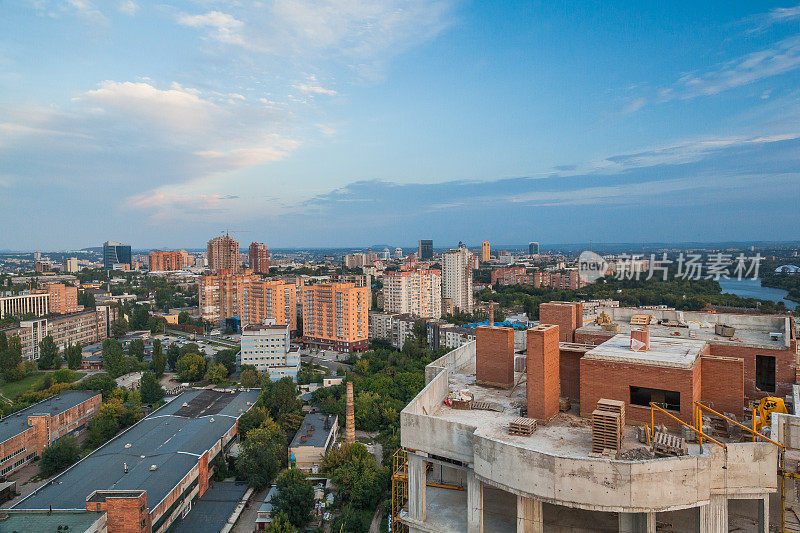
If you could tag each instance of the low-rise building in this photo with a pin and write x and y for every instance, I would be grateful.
(26, 433)
(264, 516)
(267, 347)
(316, 435)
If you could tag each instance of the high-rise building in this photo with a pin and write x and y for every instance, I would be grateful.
(166, 261)
(425, 249)
(398, 253)
(335, 315)
(63, 298)
(418, 292)
(116, 253)
(359, 260)
(223, 254)
(71, 265)
(486, 251)
(259, 258)
(533, 248)
(457, 268)
(253, 299)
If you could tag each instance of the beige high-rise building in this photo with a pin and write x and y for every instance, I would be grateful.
(335, 315)
(457, 268)
(71, 265)
(417, 292)
(486, 251)
(223, 254)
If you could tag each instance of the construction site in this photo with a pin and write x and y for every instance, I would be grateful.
(639, 420)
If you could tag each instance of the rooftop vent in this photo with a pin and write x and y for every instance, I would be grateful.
(153, 468)
(125, 467)
(128, 445)
(640, 339)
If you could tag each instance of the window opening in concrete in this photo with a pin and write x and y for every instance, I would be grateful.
(669, 400)
(765, 373)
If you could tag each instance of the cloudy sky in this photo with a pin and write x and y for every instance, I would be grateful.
(347, 123)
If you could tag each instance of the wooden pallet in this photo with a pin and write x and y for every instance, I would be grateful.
(666, 445)
(605, 431)
(522, 426)
(640, 319)
(487, 406)
(613, 406)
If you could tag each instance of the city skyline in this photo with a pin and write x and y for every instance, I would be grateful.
(329, 125)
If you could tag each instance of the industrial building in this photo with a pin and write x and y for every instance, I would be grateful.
(266, 347)
(649, 423)
(25, 434)
(316, 435)
(150, 475)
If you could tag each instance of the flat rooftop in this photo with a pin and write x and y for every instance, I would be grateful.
(566, 435)
(319, 435)
(171, 438)
(212, 511)
(750, 330)
(45, 521)
(16, 423)
(664, 351)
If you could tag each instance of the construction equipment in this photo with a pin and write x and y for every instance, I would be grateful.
(762, 413)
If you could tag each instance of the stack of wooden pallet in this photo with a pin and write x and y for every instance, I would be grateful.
(608, 421)
(522, 426)
(666, 445)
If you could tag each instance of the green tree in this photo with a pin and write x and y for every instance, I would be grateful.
(263, 453)
(113, 358)
(159, 359)
(227, 358)
(356, 474)
(10, 356)
(191, 367)
(60, 455)
(280, 524)
(151, 390)
(74, 355)
(173, 354)
(251, 420)
(248, 378)
(64, 375)
(136, 349)
(295, 497)
(140, 318)
(48, 351)
(184, 318)
(119, 327)
(216, 373)
(101, 382)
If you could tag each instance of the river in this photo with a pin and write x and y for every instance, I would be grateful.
(751, 288)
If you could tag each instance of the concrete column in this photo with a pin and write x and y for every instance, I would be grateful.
(529, 515)
(474, 503)
(417, 500)
(763, 514)
(637, 522)
(713, 518)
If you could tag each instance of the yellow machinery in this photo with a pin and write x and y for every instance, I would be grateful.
(762, 413)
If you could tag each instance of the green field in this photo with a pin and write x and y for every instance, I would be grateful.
(14, 389)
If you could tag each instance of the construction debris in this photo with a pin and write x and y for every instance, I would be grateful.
(637, 454)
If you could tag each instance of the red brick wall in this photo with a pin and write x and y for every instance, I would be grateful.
(495, 356)
(569, 371)
(202, 475)
(564, 315)
(785, 368)
(723, 384)
(543, 371)
(127, 515)
(610, 380)
(593, 338)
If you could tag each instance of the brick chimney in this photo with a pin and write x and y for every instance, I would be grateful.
(491, 313)
(494, 356)
(640, 339)
(568, 316)
(543, 371)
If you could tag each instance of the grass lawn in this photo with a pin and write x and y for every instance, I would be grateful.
(14, 389)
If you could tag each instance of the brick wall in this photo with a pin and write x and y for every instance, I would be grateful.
(127, 515)
(202, 475)
(785, 368)
(611, 380)
(494, 362)
(562, 314)
(593, 338)
(569, 371)
(723, 384)
(543, 371)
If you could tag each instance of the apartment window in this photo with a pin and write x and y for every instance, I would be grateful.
(765, 373)
(670, 400)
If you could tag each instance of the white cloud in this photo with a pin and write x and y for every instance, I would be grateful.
(128, 7)
(88, 11)
(312, 86)
(223, 27)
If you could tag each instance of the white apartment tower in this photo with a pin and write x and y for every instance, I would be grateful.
(417, 292)
(457, 279)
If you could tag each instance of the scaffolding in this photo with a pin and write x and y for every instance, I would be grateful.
(399, 489)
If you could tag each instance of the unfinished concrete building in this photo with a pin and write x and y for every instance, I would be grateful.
(489, 450)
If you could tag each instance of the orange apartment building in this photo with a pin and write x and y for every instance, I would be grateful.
(63, 298)
(335, 315)
(166, 261)
(25, 434)
(223, 254)
(248, 296)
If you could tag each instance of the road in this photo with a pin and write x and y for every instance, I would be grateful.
(327, 363)
(203, 337)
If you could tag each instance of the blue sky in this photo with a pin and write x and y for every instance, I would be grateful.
(344, 123)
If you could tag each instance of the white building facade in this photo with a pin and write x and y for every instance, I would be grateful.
(457, 268)
(267, 348)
